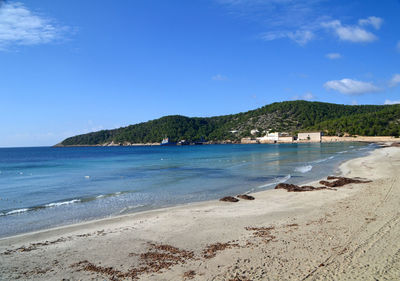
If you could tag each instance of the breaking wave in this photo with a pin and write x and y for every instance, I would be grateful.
(276, 181)
(18, 211)
(323, 160)
(303, 169)
(56, 204)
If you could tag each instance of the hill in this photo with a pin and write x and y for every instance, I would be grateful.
(290, 116)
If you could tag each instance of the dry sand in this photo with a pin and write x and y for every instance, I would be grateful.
(349, 234)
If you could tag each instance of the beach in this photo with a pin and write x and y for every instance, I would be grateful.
(344, 233)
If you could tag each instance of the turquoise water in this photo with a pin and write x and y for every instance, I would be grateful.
(44, 187)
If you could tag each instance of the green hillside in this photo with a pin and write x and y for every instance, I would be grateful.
(385, 122)
(290, 116)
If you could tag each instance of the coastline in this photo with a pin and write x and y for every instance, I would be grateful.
(325, 139)
(117, 196)
(192, 227)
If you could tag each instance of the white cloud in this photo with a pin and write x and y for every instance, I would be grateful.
(219, 77)
(374, 21)
(306, 96)
(300, 20)
(301, 37)
(272, 35)
(349, 33)
(296, 20)
(392, 102)
(395, 80)
(351, 87)
(20, 26)
(333, 56)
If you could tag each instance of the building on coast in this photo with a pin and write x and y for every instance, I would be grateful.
(275, 137)
(309, 137)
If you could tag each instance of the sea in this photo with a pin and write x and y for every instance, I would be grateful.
(45, 187)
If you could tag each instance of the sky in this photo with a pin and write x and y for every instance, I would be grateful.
(69, 66)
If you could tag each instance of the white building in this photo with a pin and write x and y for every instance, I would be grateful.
(286, 139)
(269, 137)
(310, 136)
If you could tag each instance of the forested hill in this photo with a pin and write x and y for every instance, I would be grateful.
(290, 116)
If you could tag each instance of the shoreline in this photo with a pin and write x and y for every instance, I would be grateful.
(150, 211)
(166, 207)
(325, 139)
(145, 213)
(191, 226)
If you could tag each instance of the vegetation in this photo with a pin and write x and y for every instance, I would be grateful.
(291, 116)
(385, 122)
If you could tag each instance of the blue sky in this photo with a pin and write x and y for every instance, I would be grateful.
(70, 67)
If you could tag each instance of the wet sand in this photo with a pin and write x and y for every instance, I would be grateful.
(345, 233)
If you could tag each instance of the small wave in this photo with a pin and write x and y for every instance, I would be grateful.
(109, 195)
(56, 204)
(249, 191)
(303, 169)
(18, 211)
(340, 152)
(277, 180)
(323, 160)
(130, 208)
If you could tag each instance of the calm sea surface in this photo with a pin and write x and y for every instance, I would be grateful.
(44, 187)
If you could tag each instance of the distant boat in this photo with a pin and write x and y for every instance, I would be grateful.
(183, 142)
(167, 142)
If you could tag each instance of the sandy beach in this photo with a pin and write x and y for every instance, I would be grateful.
(345, 233)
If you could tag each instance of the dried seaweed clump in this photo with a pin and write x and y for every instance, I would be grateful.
(33, 246)
(296, 188)
(189, 274)
(229, 199)
(164, 256)
(158, 257)
(263, 232)
(211, 250)
(341, 181)
(110, 271)
(245, 197)
(338, 181)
